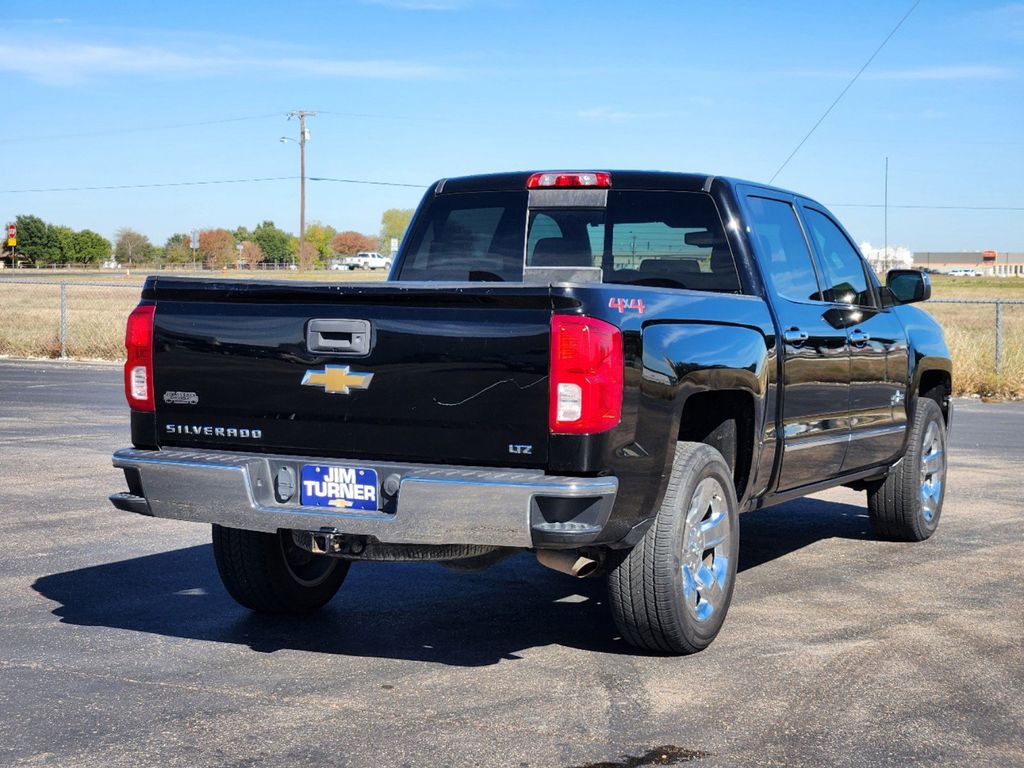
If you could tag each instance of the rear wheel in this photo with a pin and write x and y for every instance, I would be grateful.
(269, 573)
(907, 504)
(672, 591)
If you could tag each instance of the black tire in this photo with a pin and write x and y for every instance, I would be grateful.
(906, 506)
(268, 573)
(656, 600)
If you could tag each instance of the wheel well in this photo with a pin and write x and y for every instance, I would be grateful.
(725, 421)
(936, 385)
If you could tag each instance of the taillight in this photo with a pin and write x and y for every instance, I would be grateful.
(138, 368)
(565, 179)
(586, 375)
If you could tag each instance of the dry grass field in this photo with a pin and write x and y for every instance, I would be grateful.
(970, 333)
(30, 319)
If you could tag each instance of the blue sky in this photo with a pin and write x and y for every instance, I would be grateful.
(105, 93)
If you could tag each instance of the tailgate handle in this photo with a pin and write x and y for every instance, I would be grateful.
(339, 337)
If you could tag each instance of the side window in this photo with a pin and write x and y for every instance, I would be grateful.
(845, 279)
(782, 249)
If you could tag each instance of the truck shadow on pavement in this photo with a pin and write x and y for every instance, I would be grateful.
(418, 612)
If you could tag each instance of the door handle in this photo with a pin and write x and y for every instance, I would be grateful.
(858, 338)
(794, 336)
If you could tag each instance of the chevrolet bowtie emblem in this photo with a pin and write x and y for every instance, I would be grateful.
(337, 379)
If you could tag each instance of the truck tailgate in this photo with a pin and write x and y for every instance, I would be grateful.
(451, 373)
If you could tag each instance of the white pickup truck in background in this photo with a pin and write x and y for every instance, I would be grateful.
(363, 260)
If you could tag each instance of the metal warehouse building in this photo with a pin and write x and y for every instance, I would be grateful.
(989, 263)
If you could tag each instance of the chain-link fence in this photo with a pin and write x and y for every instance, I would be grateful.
(86, 320)
(986, 340)
(66, 319)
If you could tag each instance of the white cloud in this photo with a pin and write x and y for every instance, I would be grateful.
(441, 5)
(67, 64)
(421, 5)
(949, 72)
(606, 114)
(382, 69)
(55, 20)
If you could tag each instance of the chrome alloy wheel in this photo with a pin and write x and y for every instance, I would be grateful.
(705, 555)
(307, 569)
(933, 471)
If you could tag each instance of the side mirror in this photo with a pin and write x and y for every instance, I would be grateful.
(908, 285)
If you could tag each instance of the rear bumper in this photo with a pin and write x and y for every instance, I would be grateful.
(422, 504)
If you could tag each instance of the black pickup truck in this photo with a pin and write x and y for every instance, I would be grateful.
(602, 367)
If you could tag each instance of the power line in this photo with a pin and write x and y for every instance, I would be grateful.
(147, 186)
(363, 181)
(207, 182)
(220, 121)
(406, 118)
(843, 92)
(932, 207)
(137, 129)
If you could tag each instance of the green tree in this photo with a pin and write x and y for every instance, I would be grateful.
(36, 240)
(65, 239)
(241, 234)
(272, 241)
(319, 235)
(131, 247)
(178, 249)
(90, 247)
(393, 223)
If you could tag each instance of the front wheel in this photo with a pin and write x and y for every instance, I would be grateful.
(269, 573)
(672, 591)
(907, 504)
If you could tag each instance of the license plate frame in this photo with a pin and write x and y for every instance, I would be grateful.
(337, 486)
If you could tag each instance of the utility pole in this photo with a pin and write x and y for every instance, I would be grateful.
(301, 116)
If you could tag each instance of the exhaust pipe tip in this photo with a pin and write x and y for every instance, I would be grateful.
(567, 561)
(583, 567)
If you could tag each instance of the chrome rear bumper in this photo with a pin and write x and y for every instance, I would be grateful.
(430, 504)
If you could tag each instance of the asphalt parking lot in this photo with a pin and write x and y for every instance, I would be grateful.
(119, 647)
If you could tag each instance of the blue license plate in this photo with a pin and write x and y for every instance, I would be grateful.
(342, 487)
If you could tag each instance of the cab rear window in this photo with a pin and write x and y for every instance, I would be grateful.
(662, 239)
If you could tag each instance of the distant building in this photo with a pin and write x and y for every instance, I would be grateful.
(987, 263)
(884, 259)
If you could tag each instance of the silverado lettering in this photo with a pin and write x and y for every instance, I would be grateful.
(227, 432)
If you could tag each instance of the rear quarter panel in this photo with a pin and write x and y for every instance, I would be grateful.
(682, 343)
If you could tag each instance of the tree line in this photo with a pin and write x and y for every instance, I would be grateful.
(46, 244)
